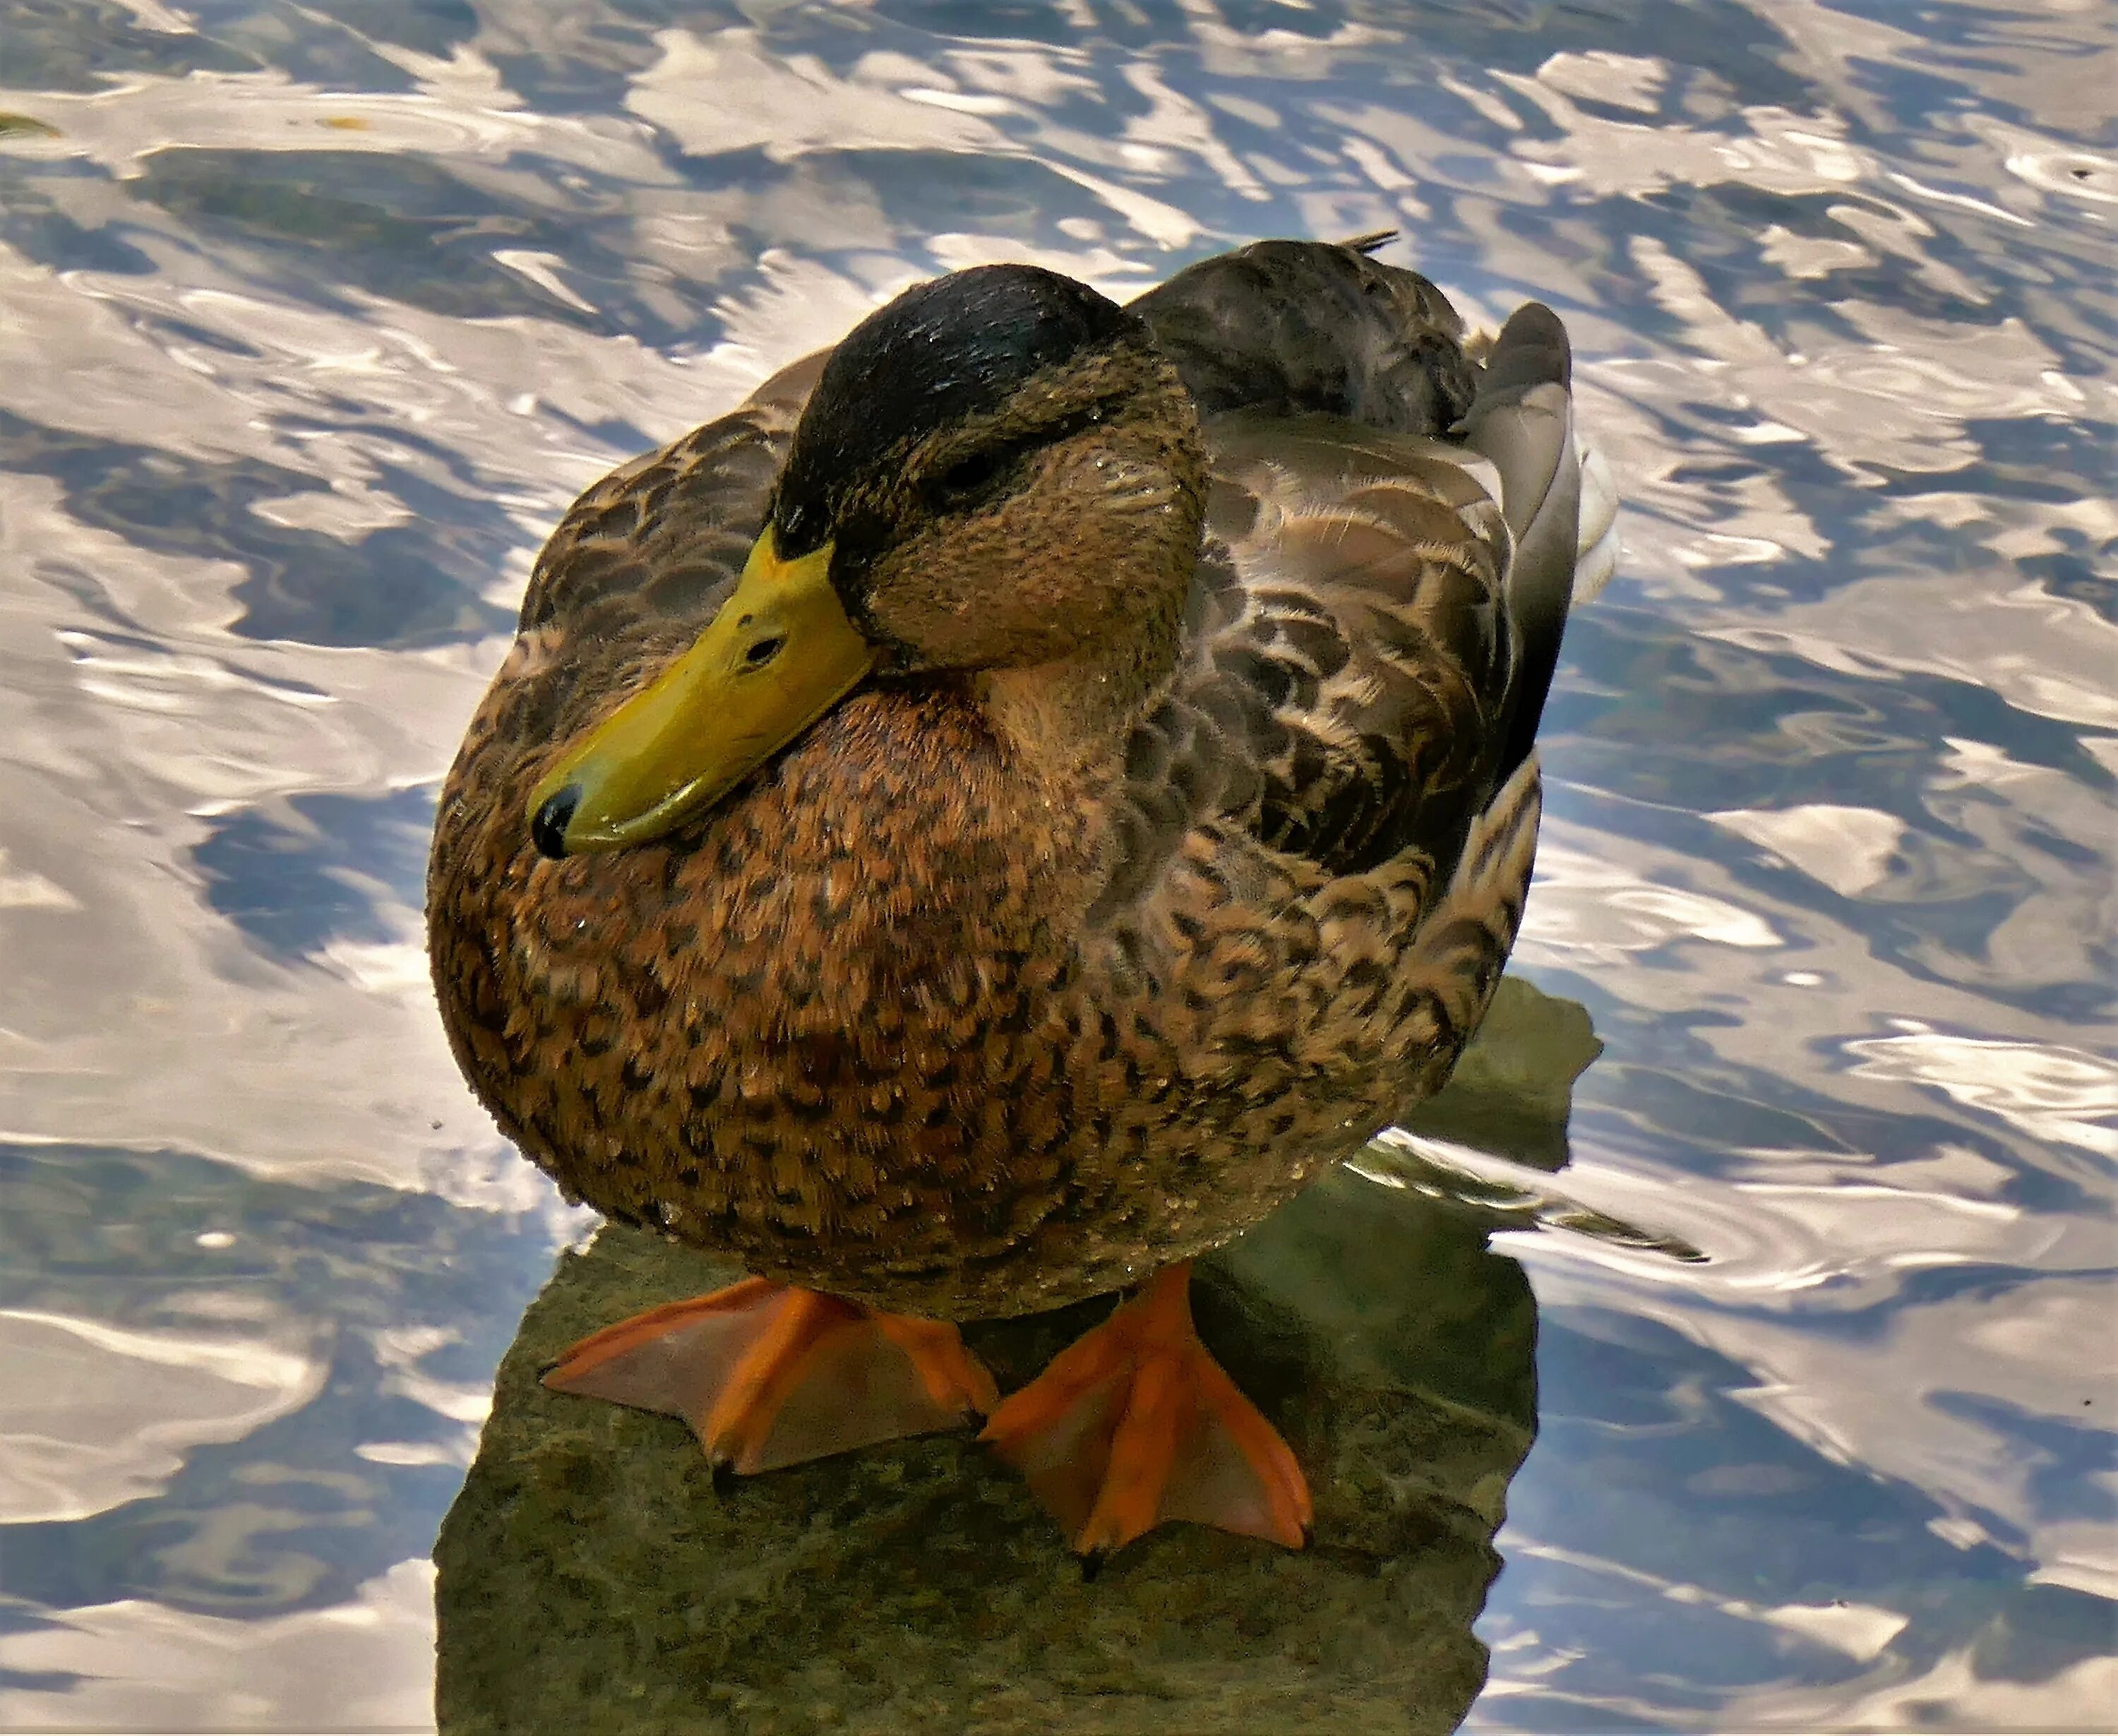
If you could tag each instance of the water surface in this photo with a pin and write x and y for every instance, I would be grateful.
(312, 321)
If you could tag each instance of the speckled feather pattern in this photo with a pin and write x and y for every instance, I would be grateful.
(920, 1019)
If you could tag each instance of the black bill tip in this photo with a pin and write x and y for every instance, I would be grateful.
(547, 829)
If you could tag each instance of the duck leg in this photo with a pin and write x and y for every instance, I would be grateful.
(1134, 1424)
(768, 1375)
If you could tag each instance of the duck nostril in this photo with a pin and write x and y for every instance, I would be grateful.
(548, 830)
(763, 652)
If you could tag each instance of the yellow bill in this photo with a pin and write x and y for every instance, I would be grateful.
(778, 654)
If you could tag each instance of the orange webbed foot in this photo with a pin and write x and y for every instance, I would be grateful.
(767, 1374)
(1134, 1424)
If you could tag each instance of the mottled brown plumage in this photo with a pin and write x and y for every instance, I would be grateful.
(1174, 848)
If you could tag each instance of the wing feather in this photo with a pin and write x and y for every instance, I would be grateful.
(1375, 621)
(1348, 656)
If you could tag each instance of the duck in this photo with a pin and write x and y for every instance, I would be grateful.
(995, 815)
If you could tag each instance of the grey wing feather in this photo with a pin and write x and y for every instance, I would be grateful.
(1523, 420)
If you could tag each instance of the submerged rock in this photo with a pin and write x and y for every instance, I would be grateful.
(593, 1578)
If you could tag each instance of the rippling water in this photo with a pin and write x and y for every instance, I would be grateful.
(312, 320)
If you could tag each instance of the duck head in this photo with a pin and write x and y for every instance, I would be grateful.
(998, 471)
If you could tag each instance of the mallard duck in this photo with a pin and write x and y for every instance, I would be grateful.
(989, 819)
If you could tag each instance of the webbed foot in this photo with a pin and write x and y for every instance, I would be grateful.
(1134, 1424)
(768, 1375)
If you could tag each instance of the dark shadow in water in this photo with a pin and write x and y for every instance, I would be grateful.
(591, 1578)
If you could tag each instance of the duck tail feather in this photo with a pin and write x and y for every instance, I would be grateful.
(1599, 538)
(1522, 421)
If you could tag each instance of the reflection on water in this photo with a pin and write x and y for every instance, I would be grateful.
(311, 323)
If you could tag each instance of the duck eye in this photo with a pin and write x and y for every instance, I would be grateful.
(972, 477)
(969, 477)
(762, 653)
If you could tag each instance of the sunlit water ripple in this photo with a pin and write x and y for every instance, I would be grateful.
(312, 322)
